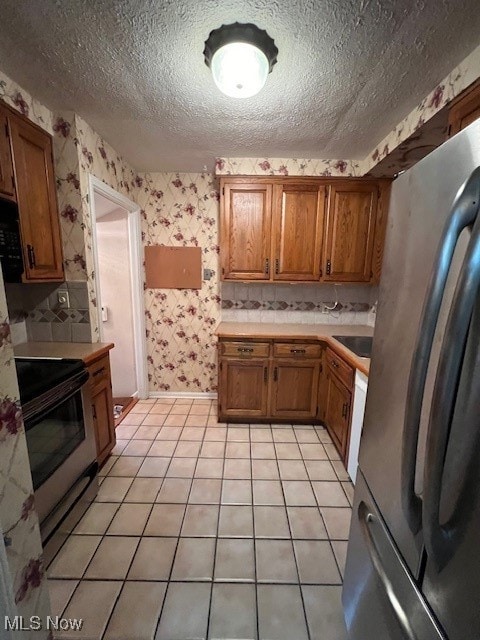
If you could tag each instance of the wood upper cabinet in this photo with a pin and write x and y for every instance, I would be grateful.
(298, 213)
(37, 201)
(7, 185)
(243, 387)
(102, 407)
(337, 412)
(245, 231)
(464, 110)
(350, 232)
(294, 389)
(282, 229)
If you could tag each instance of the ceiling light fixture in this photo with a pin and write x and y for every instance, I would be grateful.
(240, 57)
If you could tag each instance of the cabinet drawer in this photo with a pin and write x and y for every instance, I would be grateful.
(292, 350)
(99, 371)
(248, 349)
(341, 369)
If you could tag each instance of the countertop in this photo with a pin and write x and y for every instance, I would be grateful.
(292, 331)
(86, 351)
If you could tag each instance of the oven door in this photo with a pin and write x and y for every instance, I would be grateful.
(61, 448)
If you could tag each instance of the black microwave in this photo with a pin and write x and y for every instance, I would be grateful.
(11, 258)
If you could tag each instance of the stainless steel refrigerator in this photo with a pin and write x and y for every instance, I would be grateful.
(413, 561)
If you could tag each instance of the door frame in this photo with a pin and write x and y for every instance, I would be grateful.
(97, 186)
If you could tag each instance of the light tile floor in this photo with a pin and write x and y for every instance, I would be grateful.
(207, 530)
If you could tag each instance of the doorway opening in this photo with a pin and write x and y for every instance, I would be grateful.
(116, 243)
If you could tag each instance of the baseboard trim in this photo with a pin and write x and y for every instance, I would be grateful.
(207, 395)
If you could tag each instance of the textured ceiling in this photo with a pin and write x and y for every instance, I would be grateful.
(348, 71)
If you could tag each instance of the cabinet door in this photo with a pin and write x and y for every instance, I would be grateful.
(245, 229)
(322, 388)
(37, 202)
(7, 188)
(464, 110)
(102, 406)
(337, 414)
(243, 388)
(294, 389)
(350, 231)
(298, 224)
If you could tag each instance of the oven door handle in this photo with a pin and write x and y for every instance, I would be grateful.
(38, 408)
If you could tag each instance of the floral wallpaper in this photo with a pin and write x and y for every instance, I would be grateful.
(286, 167)
(18, 518)
(97, 157)
(19, 99)
(451, 86)
(181, 209)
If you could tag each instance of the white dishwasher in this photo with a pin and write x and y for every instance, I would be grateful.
(361, 383)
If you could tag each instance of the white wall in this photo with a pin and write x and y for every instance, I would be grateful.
(115, 292)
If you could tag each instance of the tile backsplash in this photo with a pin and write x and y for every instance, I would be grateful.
(299, 303)
(37, 306)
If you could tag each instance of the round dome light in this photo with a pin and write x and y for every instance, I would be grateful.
(240, 57)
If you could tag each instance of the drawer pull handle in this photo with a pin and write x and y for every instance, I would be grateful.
(99, 372)
(275, 374)
(245, 349)
(267, 266)
(277, 266)
(344, 410)
(265, 374)
(297, 351)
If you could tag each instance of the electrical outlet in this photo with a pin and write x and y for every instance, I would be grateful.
(63, 299)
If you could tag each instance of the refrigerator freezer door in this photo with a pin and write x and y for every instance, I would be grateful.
(420, 205)
(380, 599)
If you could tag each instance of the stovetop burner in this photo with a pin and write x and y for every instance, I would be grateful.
(39, 375)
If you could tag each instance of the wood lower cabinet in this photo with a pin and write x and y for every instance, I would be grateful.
(338, 404)
(294, 389)
(271, 380)
(244, 388)
(102, 406)
(322, 387)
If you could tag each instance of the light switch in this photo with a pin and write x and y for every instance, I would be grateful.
(104, 314)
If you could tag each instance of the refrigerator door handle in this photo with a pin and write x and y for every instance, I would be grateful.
(464, 213)
(440, 540)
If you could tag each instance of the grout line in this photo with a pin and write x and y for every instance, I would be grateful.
(178, 537)
(215, 546)
(253, 534)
